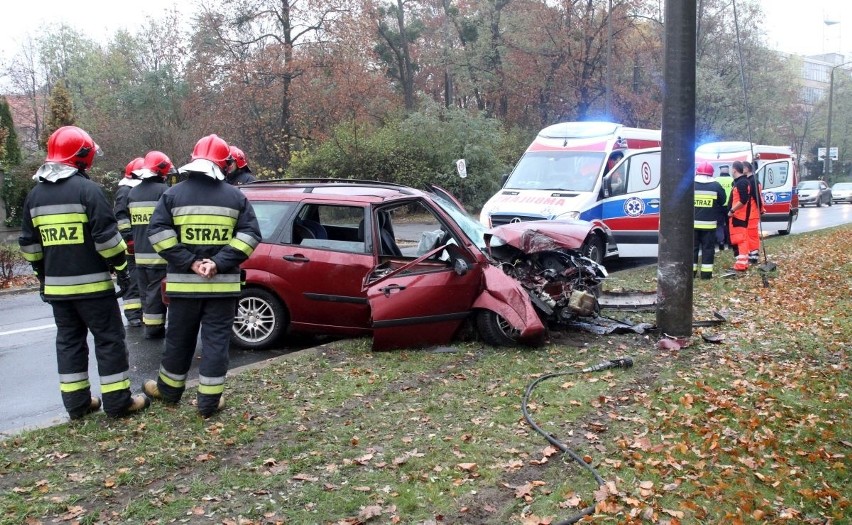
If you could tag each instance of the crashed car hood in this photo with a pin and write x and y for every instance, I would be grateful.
(542, 236)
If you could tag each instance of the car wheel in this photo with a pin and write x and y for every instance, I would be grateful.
(830, 202)
(819, 203)
(495, 330)
(260, 319)
(593, 249)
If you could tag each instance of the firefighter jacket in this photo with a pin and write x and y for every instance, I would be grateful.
(709, 203)
(240, 176)
(122, 214)
(70, 236)
(203, 218)
(141, 203)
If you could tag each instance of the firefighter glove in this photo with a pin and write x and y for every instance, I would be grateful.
(123, 278)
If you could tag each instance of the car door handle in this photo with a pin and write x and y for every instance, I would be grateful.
(296, 258)
(391, 287)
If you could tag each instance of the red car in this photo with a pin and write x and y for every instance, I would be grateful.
(408, 267)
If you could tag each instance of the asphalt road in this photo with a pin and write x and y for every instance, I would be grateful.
(29, 383)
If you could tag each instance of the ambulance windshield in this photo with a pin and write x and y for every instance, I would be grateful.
(557, 170)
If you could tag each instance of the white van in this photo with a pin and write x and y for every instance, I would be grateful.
(562, 174)
(776, 172)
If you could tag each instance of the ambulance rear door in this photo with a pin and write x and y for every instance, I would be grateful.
(777, 179)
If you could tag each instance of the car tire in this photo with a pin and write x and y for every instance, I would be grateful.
(259, 321)
(830, 202)
(495, 330)
(593, 249)
(819, 203)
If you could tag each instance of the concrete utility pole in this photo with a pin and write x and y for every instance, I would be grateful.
(677, 192)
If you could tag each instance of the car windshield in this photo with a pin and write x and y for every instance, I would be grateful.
(471, 227)
(842, 186)
(809, 185)
(557, 170)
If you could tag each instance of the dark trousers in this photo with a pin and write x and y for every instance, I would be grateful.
(153, 308)
(215, 318)
(74, 319)
(132, 301)
(704, 241)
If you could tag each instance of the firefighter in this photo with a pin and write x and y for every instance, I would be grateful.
(131, 303)
(237, 171)
(204, 228)
(709, 210)
(70, 236)
(150, 267)
(753, 229)
(739, 214)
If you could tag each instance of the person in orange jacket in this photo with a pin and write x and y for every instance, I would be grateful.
(758, 209)
(738, 216)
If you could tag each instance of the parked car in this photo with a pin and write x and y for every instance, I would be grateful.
(842, 192)
(409, 267)
(814, 192)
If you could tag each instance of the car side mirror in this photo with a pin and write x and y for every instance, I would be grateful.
(606, 187)
(503, 179)
(460, 266)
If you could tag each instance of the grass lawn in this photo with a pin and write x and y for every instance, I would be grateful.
(753, 430)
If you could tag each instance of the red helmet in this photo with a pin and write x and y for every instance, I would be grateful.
(239, 157)
(158, 162)
(72, 146)
(214, 149)
(132, 166)
(704, 168)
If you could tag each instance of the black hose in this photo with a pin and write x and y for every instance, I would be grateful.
(623, 362)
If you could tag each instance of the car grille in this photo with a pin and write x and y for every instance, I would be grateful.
(499, 219)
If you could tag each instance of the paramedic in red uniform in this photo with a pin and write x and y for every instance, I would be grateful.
(70, 236)
(758, 209)
(739, 215)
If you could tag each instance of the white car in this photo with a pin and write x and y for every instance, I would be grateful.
(842, 192)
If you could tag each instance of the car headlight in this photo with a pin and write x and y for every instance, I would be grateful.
(571, 215)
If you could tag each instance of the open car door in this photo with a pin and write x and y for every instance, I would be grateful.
(422, 302)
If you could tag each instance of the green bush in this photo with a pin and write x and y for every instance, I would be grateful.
(419, 149)
(11, 262)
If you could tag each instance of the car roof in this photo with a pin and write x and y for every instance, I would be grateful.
(341, 190)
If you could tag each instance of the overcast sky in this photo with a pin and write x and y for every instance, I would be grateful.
(792, 26)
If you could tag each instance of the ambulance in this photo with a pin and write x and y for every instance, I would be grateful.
(568, 173)
(776, 171)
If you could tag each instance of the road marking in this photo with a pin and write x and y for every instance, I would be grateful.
(32, 329)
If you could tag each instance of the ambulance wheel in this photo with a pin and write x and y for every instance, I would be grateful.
(495, 330)
(259, 321)
(789, 227)
(593, 249)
